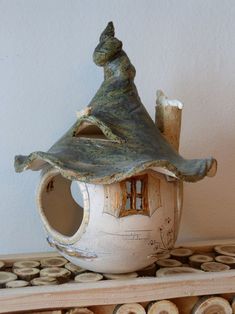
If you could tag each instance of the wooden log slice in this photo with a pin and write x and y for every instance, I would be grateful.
(214, 267)
(198, 259)
(148, 271)
(163, 306)
(5, 277)
(44, 281)
(53, 262)
(131, 308)
(172, 271)
(82, 310)
(163, 256)
(225, 249)
(168, 263)
(74, 268)
(2, 265)
(26, 273)
(121, 276)
(62, 275)
(88, 277)
(17, 284)
(225, 259)
(26, 264)
(212, 305)
(181, 254)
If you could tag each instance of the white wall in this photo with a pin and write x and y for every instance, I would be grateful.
(185, 47)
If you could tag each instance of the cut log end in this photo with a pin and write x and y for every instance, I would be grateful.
(198, 259)
(17, 284)
(62, 275)
(121, 276)
(225, 259)
(131, 308)
(53, 262)
(181, 254)
(44, 281)
(214, 267)
(74, 268)
(26, 273)
(164, 306)
(88, 277)
(6, 277)
(207, 305)
(26, 264)
(225, 249)
(169, 263)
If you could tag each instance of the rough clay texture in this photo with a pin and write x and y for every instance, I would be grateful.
(133, 143)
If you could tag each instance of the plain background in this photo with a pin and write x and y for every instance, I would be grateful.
(185, 47)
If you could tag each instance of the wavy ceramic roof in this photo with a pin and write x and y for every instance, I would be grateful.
(133, 142)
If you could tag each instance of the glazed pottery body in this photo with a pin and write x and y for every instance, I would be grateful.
(95, 237)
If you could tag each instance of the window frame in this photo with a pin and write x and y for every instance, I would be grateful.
(133, 195)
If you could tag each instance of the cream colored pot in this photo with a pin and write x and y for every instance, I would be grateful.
(96, 232)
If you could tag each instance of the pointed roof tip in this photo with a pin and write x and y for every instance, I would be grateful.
(108, 32)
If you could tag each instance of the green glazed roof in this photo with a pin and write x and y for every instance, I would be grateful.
(133, 142)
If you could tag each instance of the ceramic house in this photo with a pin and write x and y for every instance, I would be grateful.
(128, 176)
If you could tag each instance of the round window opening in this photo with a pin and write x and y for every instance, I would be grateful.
(62, 204)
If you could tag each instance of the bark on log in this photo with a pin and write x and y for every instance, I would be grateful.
(208, 305)
(164, 306)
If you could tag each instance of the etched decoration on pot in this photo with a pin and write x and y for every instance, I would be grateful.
(110, 194)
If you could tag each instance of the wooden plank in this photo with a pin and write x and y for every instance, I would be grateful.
(115, 291)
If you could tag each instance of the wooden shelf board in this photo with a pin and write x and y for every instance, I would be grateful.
(115, 291)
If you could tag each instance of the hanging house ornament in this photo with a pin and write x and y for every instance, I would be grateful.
(126, 210)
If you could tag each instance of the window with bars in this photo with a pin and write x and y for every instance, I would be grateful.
(135, 196)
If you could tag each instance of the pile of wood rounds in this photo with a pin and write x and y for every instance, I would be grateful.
(57, 270)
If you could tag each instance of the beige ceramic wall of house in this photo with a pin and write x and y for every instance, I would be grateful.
(186, 48)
